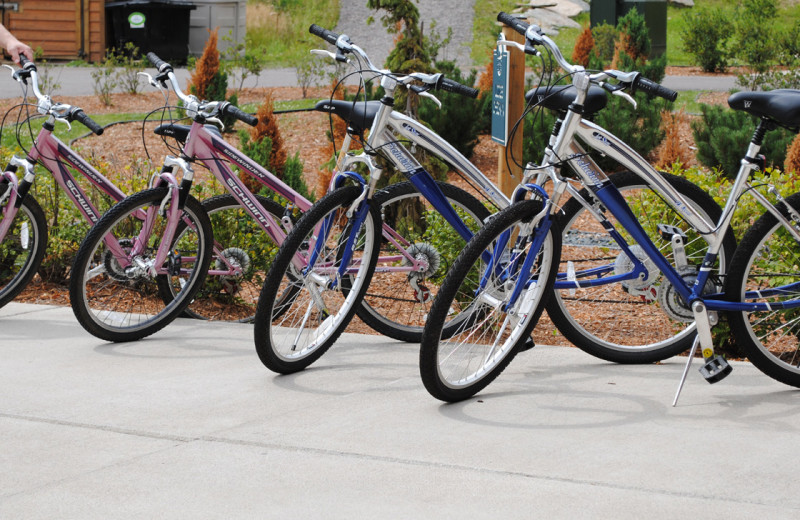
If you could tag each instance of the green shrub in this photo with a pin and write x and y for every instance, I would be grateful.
(705, 35)
(754, 47)
(723, 135)
(603, 51)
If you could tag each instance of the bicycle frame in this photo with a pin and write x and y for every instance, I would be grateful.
(53, 154)
(594, 179)
(386, 125)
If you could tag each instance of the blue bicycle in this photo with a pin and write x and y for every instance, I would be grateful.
(665, 241)
(352, 239)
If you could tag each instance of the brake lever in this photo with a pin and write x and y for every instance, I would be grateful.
(330, 55)
(216, 121)
(624, 95)
(527, 49)
(149, 79)
(431, 96)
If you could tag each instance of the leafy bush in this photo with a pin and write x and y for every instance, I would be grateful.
(633, 36)
(583, 47)
(705, 35)
(604, 36)
(723, 135)
(209, 82)
(753, 47)
(129, 63)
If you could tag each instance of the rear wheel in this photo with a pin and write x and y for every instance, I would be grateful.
(634, 321)
(243, 251)
(766, 270)
(398, 300)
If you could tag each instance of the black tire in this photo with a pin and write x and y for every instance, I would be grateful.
(606, 321)
(239, 243)
(768, 257)
(289, 311)
(391, 305)
(21, 255)
(116, 303)
(475, 339)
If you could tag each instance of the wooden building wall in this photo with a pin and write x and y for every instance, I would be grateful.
(59, 29)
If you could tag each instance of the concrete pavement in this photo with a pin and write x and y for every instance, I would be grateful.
(188, 424)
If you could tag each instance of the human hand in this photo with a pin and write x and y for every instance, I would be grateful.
(16, 47)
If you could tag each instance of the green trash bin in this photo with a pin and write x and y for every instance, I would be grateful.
(603, 11)
(654, 12)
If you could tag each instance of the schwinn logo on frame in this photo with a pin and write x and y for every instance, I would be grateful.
(237, 191)
(82, 202)
(241, 163)
(401, 157)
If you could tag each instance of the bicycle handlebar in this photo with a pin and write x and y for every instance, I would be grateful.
(653, 88)
(158, 63)
(436, 81)
(25, 63)
(329, 36)
(534, 34)
(77, 114)
(450, 85)
(239, 114)
(191, 102)
(513, 22)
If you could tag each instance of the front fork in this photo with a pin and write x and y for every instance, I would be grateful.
(12, 192)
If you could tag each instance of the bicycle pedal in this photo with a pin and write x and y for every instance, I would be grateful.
(667, 232)
(715, 369)
(526, 345)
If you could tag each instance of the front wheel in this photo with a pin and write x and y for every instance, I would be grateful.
(117, 296)
(304, 306)
(766, 270)
(22, 248)
(490, 333)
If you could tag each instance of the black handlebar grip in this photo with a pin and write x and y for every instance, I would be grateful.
(25, 63)
(241, 115)
(513, 22)
(81, 117)
(329, 36)
(158, 63)
(653, 88)
(454, 86)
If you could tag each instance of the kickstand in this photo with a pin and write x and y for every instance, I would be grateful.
(686, 369)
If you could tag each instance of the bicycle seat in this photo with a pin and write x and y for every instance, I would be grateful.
(359, 114)
(181, 132)
(781, 106)
(560, 97)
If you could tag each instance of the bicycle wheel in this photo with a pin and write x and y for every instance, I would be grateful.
(118, 299)
(22, 249)
(398, 300)
(242, 251)
(766, 269)
(489, 336)
(635, 321)
(302, 311)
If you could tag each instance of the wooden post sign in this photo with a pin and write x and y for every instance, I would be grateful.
(508, 103)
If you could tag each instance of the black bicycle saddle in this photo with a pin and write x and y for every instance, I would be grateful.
(561, 96)
(359, 115)
(781, 106)
(181, 132)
